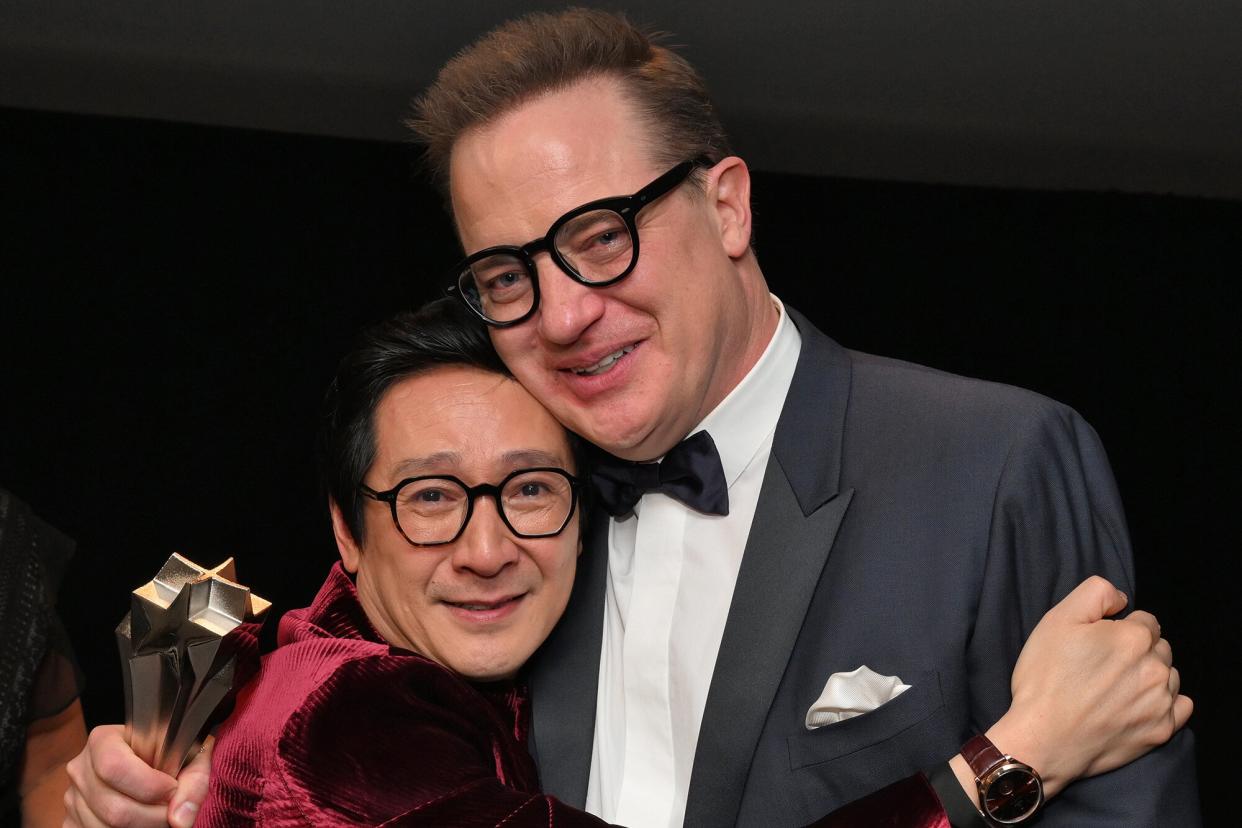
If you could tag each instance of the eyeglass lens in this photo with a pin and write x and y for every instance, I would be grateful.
(434, 510)
(596, 245)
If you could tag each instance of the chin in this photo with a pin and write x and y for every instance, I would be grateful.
(489, 673)
(616, 434)
(488, 668)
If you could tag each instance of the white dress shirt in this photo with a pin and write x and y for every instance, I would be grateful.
(671, 572)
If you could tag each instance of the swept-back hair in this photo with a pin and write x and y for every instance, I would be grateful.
(543, 52)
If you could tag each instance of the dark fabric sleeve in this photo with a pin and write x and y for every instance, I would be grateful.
(40, 677)
(58, 680)
(1057, 519)
(957, 806)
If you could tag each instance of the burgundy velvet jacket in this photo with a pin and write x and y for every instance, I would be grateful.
(339, 728)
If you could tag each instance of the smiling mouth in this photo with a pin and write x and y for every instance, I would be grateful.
(479, 606)
(604, 364)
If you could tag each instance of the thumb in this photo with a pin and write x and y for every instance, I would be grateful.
(1092, 600)
(191, 790)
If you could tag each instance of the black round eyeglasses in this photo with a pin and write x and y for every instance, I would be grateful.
(595, 244)
(434, 509)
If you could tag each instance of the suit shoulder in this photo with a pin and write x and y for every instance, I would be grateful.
(920, 394)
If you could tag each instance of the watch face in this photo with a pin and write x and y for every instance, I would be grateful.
(1013, 794)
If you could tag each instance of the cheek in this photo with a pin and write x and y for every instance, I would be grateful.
(515, 347)
(559, 575)
(406, 583)
(430, 579)
(527, 372)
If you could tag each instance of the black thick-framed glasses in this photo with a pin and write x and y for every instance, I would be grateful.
(595, 244)
(432, 510)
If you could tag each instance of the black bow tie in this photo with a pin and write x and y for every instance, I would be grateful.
(690, 472)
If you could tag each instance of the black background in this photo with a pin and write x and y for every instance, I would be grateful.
(173, 299)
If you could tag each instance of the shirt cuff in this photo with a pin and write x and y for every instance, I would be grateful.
(957, 806)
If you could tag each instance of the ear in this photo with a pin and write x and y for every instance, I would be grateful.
(351, 553)
(729, 188)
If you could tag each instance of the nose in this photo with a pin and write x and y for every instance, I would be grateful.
(566, 307)
(486, 547)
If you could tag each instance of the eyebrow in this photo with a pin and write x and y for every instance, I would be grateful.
(440, 460)
(532, 457)
(414, 466)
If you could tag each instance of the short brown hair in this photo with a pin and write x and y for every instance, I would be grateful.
(542, 52)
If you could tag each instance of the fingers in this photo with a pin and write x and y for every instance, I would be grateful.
(108, 808)
(109, 785)
(77, 815)
(1183, 706)
(1093, 599)
(191, 788)
(1164, 651)
(115, 765)
(1147, 621)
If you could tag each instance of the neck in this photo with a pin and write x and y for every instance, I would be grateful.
(755, 318)
(762, 317)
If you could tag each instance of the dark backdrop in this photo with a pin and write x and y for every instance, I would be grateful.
(173, 299)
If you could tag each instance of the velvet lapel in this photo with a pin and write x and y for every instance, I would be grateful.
(564, 676)
(799, 512)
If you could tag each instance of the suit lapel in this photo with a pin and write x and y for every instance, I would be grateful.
(564, 676)
(799, 512)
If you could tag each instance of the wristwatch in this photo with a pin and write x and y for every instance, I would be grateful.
(1010, 791)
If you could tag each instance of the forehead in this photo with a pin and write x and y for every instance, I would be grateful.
(474, 421)
(519, 172)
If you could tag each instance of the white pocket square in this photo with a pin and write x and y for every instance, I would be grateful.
(851, 694)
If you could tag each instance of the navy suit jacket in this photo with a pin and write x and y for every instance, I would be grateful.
(910, 520)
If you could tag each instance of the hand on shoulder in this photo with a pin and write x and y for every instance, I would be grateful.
(1090, 693)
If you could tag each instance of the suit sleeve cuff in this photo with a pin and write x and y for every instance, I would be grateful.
(957, 806)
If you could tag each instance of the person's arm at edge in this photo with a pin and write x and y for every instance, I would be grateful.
(50, 743)
(1057, 519)
(1089, 695)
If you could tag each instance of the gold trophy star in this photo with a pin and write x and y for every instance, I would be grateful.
(190, 602)
(179, 646)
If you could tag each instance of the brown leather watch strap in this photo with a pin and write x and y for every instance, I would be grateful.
(981, 755)
(1010, 791)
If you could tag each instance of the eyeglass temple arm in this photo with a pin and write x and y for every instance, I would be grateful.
(367, 491)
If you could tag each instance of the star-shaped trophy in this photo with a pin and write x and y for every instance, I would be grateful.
(180, 647)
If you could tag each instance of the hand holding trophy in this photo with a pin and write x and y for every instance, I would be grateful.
(181, 643)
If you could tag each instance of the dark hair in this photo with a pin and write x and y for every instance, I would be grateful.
(542, 52)
(440, 333)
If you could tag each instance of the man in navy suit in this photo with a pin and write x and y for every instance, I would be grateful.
(815, 510)
(863, 511)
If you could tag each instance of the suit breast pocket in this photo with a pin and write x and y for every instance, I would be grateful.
(889, 720)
